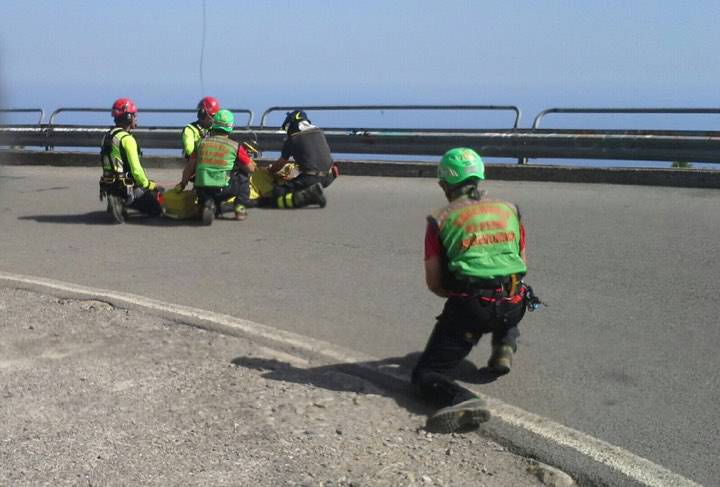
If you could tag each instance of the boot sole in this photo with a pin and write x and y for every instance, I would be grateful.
(116, 209)
(498, 369)
(321, 200)
(208, 213)
(457, 418)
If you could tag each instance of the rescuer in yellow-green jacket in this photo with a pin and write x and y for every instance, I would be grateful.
(120, 155)
(194, 132)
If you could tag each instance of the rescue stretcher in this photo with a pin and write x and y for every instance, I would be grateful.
(182, 205)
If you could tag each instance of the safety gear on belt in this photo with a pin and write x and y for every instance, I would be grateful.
(116, 184)
(515, 292)
(460, 164)
(223, 120)
(209, 105)
(532, 302)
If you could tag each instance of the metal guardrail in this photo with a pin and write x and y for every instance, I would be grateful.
(26, 110)
(541, 115)
(656, 145)
(67, 136)
(512, 143)
(511, 108)
(619, 111)
(57, 112)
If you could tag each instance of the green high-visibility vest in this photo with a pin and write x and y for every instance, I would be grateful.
(216, 157)
(481, 238)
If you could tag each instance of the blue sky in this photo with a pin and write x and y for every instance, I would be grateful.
(533, 54)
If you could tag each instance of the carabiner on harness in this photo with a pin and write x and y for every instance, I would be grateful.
(532, 302)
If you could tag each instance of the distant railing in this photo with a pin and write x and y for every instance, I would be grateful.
(541, 115)
(619, 111)
(511, 108)
(57, 112)
(517, 143)
(26, 110)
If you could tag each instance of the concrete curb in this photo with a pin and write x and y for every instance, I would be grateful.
(614, 465)
(682, 178)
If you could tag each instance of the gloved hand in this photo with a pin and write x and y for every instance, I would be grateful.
(153, 186)
(179, 187)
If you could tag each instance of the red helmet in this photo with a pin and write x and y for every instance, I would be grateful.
(209, 105)
(123, 106)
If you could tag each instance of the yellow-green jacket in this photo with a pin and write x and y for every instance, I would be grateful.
(120, 154)
(192, 134)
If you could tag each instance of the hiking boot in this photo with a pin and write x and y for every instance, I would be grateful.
(501, 359)
(465, 416)
(225, 206)
(317, 196)
(240, 212)
(208, 212)
(116, 208)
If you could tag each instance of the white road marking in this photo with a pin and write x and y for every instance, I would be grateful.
(619, 459)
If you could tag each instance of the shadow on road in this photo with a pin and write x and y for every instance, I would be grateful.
(91, 218)
(41, 190)
(389, 377)
(361, 378)
(102, 218)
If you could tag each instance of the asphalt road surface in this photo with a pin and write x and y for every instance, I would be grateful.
(626, 350)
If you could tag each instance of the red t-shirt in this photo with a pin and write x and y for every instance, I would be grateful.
(243, 156)
(433, 246)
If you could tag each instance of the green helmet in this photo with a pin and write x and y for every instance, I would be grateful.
(223, 120)
(460, 164)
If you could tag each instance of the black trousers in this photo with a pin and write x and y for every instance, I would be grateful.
(145, 201)
(301, 182)
(239, 186)
(458, 329)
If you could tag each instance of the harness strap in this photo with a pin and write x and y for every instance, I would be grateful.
(321, 174)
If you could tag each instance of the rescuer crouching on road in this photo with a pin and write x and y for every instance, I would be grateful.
(120, 156)
(474, 257)
(221, 167)
(307, 146)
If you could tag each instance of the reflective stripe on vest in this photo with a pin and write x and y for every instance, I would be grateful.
(112, 152)
(481, 238)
